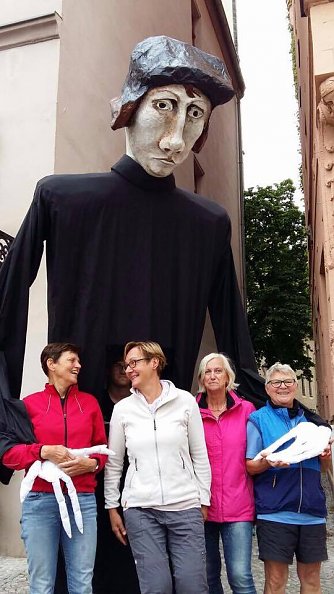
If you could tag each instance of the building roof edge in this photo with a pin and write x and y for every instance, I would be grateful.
(225, 40)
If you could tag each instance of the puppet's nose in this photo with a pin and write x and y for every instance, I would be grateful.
(173, 141)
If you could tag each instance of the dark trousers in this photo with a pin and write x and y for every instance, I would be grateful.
(115, 570)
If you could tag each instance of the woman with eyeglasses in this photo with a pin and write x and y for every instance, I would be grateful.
(231, 512)
(289, 499)
(167, 485)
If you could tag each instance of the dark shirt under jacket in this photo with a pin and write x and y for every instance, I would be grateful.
(115, 570)
(129, 256)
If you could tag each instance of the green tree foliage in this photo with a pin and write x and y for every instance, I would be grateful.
(277, 276)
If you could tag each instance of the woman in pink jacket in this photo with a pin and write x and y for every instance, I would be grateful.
(231, 511)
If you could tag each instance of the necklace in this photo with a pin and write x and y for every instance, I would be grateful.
(222, 408)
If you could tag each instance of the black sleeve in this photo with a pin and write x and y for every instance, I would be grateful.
(17, 274)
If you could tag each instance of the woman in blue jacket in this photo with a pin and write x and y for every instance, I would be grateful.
(289, 499)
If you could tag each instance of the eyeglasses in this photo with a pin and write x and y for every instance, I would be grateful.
(216, 371)
(133, 362)
(277, 383)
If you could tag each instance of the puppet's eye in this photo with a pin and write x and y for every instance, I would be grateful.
(164, 104)
(195, 112)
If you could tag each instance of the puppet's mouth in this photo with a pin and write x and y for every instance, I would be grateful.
(167, 161)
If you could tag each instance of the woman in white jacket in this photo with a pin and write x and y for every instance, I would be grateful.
(167, 486)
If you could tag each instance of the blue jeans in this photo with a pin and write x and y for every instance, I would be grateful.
(42, 533)
(237, 545)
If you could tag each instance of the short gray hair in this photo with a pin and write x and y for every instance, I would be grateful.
(280, 367)
(227, 365)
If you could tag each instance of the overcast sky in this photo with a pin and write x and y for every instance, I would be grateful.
(269, 107)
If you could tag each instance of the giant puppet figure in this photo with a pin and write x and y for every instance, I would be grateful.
(129, 255)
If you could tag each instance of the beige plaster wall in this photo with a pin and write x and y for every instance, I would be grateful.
(10, 512)
(28, 124)
(21, 10)
(29, 81)
(29, 75)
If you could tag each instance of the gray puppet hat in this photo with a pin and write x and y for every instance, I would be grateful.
(160, 60)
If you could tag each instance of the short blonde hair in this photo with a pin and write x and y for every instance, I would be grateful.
(281, 368)
(227, 365)
(150, 350)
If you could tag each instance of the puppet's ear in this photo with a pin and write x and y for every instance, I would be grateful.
(121, 113)
(115, 107)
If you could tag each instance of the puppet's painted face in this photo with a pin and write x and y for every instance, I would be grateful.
(165, 127)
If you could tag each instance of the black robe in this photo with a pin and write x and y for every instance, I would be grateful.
(129, 257)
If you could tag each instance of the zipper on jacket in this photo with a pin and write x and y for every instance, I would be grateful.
(274, 481)
(65, 420)
(157, 454)
(301, 488)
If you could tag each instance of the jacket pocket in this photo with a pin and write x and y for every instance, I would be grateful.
(185, 468)
(131, 477)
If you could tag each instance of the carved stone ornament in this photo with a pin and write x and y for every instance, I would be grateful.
(326, 104)
(325, 117)
(306, 5)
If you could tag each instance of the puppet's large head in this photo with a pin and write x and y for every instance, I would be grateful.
(166, 102)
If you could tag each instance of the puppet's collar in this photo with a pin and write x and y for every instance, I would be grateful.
(136, 175)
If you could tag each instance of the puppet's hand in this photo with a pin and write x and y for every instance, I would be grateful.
(78, 465)
(117, 525)
(55, 453)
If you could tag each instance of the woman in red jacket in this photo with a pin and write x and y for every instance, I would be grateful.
(62, 418)
(231, 511)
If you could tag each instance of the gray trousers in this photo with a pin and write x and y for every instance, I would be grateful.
(166, 544)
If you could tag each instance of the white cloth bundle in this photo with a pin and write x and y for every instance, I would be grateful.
(51, 473)
(309, 441)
